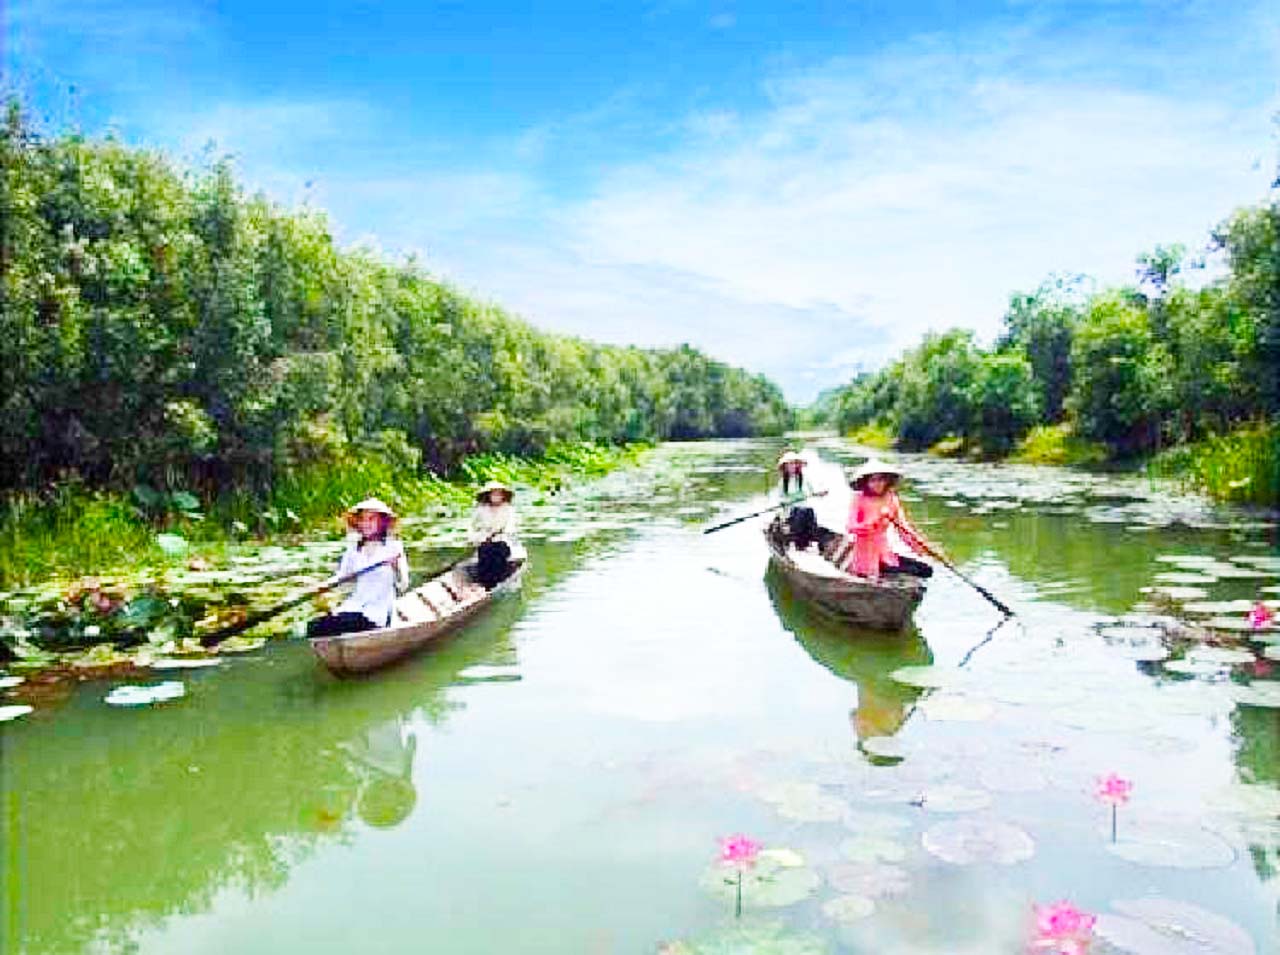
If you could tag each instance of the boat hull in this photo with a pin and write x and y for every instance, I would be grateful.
(883, 605)
(353, 653)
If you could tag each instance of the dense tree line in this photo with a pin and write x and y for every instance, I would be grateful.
(1136, 369)
(159, 325)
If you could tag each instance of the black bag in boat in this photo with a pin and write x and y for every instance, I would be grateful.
(493, 563)
(803, 528)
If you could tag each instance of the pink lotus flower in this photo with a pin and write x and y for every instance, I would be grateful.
(1260, 616)
(1062, 929)
(739, 850)
(1114, 789)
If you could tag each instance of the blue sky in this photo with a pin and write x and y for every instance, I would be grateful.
(803, 189)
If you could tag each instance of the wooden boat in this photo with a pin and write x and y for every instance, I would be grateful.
(886, 604)
(422, 616)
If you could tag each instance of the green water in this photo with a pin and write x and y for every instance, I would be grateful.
(555, 778)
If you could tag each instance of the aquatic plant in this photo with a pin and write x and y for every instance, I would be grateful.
(1113, 790)
(1260, 616)
(739, 853)
(1062, 929)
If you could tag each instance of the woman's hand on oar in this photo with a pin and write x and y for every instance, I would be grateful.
(747, 517)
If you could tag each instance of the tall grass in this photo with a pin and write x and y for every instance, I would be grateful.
(74, 531)
(1242, 466)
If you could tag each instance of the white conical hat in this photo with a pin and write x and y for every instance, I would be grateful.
(494, 486)
(371, 504)
(873, 466)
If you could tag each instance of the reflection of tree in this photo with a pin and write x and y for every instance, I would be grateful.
(864, 657)
(114, 820)
(1257, 756)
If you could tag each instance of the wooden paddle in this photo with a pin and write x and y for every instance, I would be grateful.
(747, 517)
(955, 570)
(212, 639)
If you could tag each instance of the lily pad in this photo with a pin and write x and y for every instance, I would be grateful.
(1272, 652)
(808, 803)
(766, 886)
(1260, 561)
(13, 712)
(978, 841)
(885, 747)
(241, 644)
(143, 695)
(1190, 667)
(952, 798)
(1187, 559)
(1158, 926)
(1170, 844)
(956, 708)
(1210, 607)
(848, 908)
(1261, 693)
(1184, 577)
(927, 676)
(184, 663)
(1179, 592)
(1248, 799)
(1013, 778)
(872, 880)
(1221, 655)
(749, 938)
(172, 544)
(784, 858)
(875, 823)
(9, 682)
(871, 848)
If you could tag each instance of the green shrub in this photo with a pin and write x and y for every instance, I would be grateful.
(1242, 466)
(1057, 444)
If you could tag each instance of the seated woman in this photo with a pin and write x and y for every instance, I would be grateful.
(791, 469)
(493, 529)
(874, 508)
(377, 557)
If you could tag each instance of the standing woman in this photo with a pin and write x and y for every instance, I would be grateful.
(375, 546)
(874, 508)
(493, 529)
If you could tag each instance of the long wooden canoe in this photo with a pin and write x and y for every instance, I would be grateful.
(422, 616)
(886, 604)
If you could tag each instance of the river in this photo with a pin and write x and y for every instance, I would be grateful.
(555, 778)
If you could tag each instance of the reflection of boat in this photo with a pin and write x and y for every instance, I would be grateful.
(867, 661)
(423, 615)
(883, 605)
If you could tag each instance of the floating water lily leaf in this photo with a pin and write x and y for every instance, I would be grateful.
(1210, 607)
(1164, 927)
(241, 644)
(950, 798)
(1177, 592)
(1190, 667)
(134, 695)
(13, 712)
(1260, 561)
(1115, 719)
(1033, 693)
(1221, 655)
(1170, 844)
(1234, 625)
(1272, 652)
(183, 663)
(1187, 559)
(879, 823)
(1260, 693)
(766, 886)
(172, 544)
(956, 708)
(848, 908)
(784, 858)
(1185, 577)
(872, 848)
(9, 682)
(885, 747)
(1248, 799)
(812, 805)
(745, 938)
(872, 880)
(927, 676)
(978, 841)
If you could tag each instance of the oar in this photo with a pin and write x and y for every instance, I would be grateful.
(954, 569)
(747, 517)
(211, 639)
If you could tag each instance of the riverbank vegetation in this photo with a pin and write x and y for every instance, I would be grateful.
(1186, 372)
(175, 351)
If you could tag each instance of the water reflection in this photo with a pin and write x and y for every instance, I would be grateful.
(864, 657)
(120, 819)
